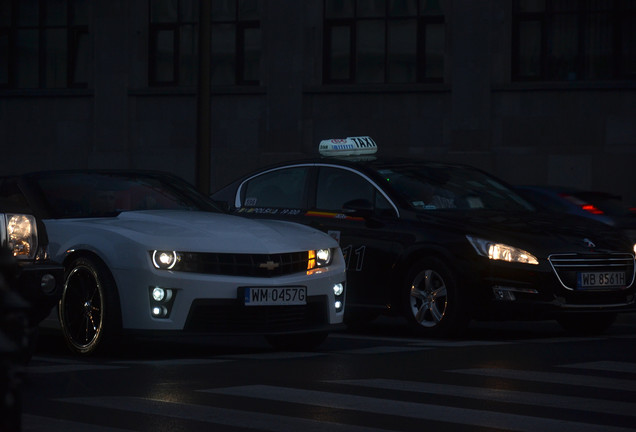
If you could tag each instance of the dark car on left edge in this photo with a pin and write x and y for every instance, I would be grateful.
(28, 273)
(30, 287)
(441, 244)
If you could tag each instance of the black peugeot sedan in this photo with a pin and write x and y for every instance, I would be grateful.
(442, 244)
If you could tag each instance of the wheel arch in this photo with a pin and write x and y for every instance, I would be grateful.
(92, 255)
(417, 253)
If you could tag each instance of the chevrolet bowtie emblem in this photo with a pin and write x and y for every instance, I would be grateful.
(269, 265)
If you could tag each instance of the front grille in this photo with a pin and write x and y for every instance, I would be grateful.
(225, 316)
(251, 265)
(568, 266)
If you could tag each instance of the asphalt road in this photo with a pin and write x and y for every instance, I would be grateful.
(501, 377)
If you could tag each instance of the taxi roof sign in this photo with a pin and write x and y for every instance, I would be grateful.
(361, 145)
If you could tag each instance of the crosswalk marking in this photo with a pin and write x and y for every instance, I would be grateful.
(559, 340)
(611, 366)
(282, 355)
(33, 423)
(225, 416)
(500, 395)
(52, 369)
(421, 341)
(553, 378)
(458, 344)
(466, 416)
(171, 362)
(382, 350)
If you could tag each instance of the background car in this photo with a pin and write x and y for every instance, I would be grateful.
(145, 253)
(441, 244)
(601, 206)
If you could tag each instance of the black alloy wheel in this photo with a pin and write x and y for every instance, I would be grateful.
(433, 305)
(88, 309)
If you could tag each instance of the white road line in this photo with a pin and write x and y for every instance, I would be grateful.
(459, 344)
(499, 395)
(420, 341)
(229, 417)
(170, 362)
(563, 339)
(375, 338)
(465, 416)
(610, 366)
(382, 350)
(69, 368)
(554, 378)
(32, 423)
(283, 355)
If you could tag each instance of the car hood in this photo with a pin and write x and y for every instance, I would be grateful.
(193, 231)
(539, 233)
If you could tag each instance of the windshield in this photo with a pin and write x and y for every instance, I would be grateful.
(437, 186)
(77, 195)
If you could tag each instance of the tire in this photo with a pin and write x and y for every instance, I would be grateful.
(89, 310)
(433, 303)
(297, 341)
(587, 324)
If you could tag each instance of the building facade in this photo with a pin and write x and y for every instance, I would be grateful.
(533, 91)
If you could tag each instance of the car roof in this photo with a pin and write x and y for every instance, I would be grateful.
(371, 163)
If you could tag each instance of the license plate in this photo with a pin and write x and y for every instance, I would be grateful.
(600, 279)
(279, 296)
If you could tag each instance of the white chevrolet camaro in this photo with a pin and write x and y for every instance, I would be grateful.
(144, 252)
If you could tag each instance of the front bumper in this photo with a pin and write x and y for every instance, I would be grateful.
(212, 303)
(516, 291)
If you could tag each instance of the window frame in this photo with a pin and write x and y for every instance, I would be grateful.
(546, 19)
(240, 26)
(71, 30)
(351, 22)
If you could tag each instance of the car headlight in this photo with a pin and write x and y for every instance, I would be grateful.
(165, 260)
(318, 258)
(500, 251)
(19, 234)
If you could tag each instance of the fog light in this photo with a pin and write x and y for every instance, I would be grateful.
(338, 289)
(161, 295)
(503, 294)
(338, 305)
(47, 283)
(161, 301)
(159, 311)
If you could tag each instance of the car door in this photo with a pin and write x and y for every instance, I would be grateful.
(371, 245)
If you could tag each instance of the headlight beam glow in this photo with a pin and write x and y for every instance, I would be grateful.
(501, 252)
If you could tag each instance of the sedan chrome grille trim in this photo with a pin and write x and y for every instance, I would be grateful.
(567, 266)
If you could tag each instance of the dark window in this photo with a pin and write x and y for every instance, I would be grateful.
(570, 40)
(284, 188)
(337, 186)
(44, 43)
(383, 41)
(173, 42)
(235, 42)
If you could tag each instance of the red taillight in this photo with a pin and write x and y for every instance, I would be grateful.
(592, 209)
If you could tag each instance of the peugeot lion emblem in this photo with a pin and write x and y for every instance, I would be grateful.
(589, 243)
(269, 265)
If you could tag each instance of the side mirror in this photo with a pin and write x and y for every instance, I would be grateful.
(359, 207)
